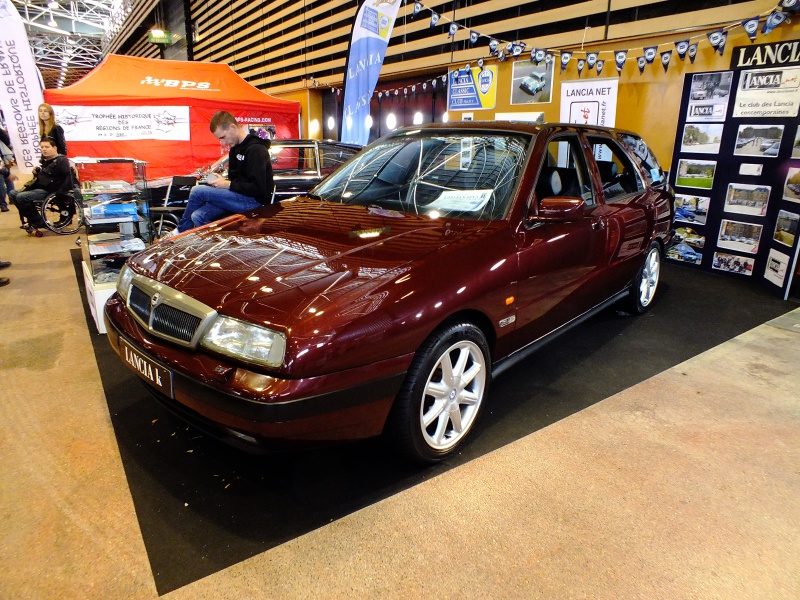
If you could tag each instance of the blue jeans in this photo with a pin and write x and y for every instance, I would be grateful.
(29, 204)
(207, 204)
(6, 186)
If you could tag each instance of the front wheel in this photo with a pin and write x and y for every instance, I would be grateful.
(645, 284)
(442, 394)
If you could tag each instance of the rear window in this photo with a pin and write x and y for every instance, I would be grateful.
(646, 159)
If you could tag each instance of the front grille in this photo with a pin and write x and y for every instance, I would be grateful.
(167, 313)
(174, 322)
(140, 303)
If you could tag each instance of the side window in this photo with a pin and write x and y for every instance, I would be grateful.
(563, 172)
(331, 157)
(620, 178)
(645, 157)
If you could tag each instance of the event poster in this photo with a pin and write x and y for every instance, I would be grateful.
(472, 89)
(709, 96)
(768, 93)
(532, 83)
(105, 123)
(589, 102)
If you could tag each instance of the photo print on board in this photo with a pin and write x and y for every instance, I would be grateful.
(746, 199)
(691, 209)
(786, 228)
(696, 173)
(733, 263)
(702, 138)
(709, 96)
(760, 141)
(739, 236)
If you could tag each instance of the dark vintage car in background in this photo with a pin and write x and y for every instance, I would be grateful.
(297, 166)
(387, 299)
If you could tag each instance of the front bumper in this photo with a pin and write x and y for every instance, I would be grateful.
(227, 400)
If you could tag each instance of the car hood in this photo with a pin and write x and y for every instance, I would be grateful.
(276, 264)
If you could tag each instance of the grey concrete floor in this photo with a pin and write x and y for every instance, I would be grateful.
(684, 486)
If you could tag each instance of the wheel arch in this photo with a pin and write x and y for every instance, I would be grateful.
(477, 318)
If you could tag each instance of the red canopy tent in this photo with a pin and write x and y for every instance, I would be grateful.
(159, 110)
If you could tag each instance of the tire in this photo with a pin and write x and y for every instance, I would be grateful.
(61, 214)
(163, 224)
(645, 284)
(435, 408)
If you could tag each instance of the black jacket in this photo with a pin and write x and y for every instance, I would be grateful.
(250, 169)
(57, 133)
(54, 176)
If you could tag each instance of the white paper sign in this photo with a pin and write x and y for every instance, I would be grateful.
(464, 201)
(104, 123)
(590, 102)
(777, 266)
(768, 93)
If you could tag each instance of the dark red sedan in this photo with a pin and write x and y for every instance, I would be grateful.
(387, 300)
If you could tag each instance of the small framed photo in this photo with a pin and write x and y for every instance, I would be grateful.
(739, 236)
(696, 173)
(786, 228)
(733, 263)
(703, 138)
(761, 141)
(747, 199)
(691, 209)
(791, 188)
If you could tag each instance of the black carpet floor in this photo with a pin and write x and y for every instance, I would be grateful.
(203, 506)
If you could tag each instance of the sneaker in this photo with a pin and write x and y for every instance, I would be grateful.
(3, 209)
(4, 281)
(4, 264)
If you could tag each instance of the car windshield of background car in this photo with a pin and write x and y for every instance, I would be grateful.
(466, 176)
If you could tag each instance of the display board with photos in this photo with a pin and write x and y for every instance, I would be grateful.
(736, 173)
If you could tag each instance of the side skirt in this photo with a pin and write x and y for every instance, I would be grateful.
(506, 363)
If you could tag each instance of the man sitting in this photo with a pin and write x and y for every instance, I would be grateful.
(248, 186)
(53, 176)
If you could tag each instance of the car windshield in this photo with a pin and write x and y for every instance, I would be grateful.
(467, 175)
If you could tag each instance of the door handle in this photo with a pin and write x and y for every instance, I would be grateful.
(598, 224)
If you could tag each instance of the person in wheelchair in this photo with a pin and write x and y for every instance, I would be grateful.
(53, 176)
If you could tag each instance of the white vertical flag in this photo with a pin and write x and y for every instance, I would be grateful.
(20, 88)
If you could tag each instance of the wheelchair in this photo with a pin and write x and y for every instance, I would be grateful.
(61, 212)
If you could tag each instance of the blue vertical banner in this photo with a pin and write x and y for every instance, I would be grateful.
(371, 32)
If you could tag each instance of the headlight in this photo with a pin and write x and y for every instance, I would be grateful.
(124, 281)
(245, 341)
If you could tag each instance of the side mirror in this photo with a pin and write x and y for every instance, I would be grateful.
(560, 209)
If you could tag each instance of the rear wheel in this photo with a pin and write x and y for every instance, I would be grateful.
(442, 394)
(62, 214)
(645, 284)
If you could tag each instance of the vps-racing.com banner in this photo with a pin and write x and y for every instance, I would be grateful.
(371, 32)
(106, 123)
(20, 88)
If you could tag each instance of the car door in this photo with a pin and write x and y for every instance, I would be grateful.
(560, 263)
(629, 208)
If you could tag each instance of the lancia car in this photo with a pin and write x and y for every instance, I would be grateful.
(387, 299)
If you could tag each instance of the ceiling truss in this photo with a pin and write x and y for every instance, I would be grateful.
(68, 38)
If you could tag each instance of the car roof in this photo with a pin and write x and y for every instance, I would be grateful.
(513, 127)
(309, 142)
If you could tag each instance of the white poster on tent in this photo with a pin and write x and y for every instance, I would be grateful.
(107, 123)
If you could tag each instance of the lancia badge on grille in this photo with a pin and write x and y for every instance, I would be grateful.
(155, 299)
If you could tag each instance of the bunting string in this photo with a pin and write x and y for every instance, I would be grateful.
(591, 61)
